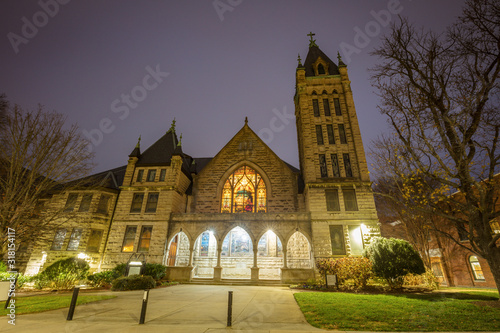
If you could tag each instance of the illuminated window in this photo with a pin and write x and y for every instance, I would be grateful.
(244, 191)
(74, 240)
(356, 239)
(129, 238)
(145, 239)
(476, 268)
(495, 226)
(58, 239)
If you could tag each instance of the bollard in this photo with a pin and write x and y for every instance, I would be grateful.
(144, 306)
(73, 303)
(230, 309)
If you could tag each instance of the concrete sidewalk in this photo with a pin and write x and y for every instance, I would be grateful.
(181, 308)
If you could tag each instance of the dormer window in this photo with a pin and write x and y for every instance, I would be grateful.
(321, 69)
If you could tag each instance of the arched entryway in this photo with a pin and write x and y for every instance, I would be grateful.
(298, 251)
(177, 253)
(205, 255)
(269, 256)
(237, 255)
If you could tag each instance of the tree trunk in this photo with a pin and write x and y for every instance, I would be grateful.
(494, 263)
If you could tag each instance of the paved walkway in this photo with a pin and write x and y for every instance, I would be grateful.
(181, 308)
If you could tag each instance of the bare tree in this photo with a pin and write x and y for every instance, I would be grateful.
(441, 96)
(39, 158)
(4, 106)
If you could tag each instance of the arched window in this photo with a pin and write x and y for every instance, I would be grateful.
(321, 69)
(244, 192)
(476, 268)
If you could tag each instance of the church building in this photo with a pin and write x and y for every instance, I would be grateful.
(242, 214)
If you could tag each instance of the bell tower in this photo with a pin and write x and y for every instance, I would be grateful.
(332, 160)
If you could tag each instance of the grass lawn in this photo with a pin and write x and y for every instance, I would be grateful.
(438, 311)
(32, 304)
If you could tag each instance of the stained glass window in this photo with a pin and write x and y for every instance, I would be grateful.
(244, 192)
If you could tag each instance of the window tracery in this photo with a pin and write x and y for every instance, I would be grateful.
(244, 192)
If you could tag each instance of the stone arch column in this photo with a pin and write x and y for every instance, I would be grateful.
(255, 268)
(218, 267)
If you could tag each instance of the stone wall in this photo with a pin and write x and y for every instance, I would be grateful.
(42, 253)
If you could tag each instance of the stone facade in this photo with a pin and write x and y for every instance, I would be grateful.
(245, 213)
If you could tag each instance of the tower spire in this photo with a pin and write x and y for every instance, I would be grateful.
(172, 127)
(341, 63)
(312, 42)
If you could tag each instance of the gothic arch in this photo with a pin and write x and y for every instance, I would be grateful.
(263, 232)
(237, 166)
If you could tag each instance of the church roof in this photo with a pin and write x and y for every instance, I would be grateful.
(160, 152)
(111, 178)
(312, 56)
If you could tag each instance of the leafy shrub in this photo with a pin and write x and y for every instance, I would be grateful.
(392, 259)
(428, 280)
(156, 271)
(4, 276)
(356, 270)
(3, 267)
(101, 279)
(133, 282)
(62, 274)
(120, 270)
(23, 279)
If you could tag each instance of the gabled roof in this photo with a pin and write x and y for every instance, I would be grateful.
(160, 152)
(312, 56)
(112, 178)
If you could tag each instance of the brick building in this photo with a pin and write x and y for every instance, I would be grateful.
(452, 263)
(243, 213)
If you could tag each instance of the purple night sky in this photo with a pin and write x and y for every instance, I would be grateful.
(223, 64)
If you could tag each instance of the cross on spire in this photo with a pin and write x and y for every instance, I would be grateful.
(312, 42)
